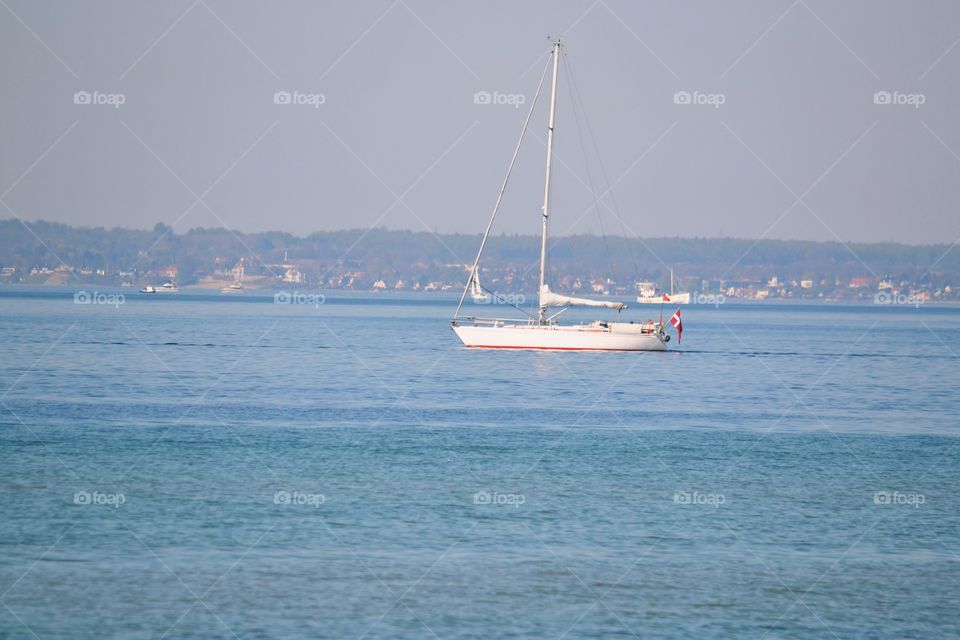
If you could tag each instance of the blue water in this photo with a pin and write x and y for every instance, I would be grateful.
(210, 467)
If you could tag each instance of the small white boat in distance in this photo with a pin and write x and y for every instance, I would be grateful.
(543, 331)
(236, 287)
(232, 289)
(168, 287)
(476, 291)
(650, 294)
(148, 289)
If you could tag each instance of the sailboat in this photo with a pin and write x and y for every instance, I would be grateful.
(476, 291)
(543, 331)
(650, 294)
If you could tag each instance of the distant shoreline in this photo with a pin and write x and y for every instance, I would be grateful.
(52, 254)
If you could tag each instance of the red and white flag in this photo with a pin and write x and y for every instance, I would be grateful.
(666, 298)
(678, 325)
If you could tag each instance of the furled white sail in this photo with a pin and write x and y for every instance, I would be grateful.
(550, 299)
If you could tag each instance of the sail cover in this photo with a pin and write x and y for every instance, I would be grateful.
(550, 299)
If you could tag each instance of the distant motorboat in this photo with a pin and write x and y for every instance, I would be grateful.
(235, 287)
(148, 289)
(168, 287)
(232, 289)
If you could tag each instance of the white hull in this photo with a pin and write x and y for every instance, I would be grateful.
(542, 332)
(676, 298)
(168, 287)
(616, 336)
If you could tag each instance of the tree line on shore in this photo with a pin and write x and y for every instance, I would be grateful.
(423, 256)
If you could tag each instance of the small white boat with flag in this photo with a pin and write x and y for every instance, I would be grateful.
(543, 331)
(649, 293)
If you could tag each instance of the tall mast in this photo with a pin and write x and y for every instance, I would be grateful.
(546, 184)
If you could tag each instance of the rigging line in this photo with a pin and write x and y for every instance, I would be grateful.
(586, 163)
(603, 172)
(503, 187)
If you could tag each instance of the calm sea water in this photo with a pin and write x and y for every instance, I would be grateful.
(211, 467)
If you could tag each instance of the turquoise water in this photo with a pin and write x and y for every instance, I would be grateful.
(210, 467)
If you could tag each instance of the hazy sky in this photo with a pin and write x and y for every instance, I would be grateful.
(797, 149)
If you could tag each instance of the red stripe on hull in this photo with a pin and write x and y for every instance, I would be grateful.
(484, 346)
